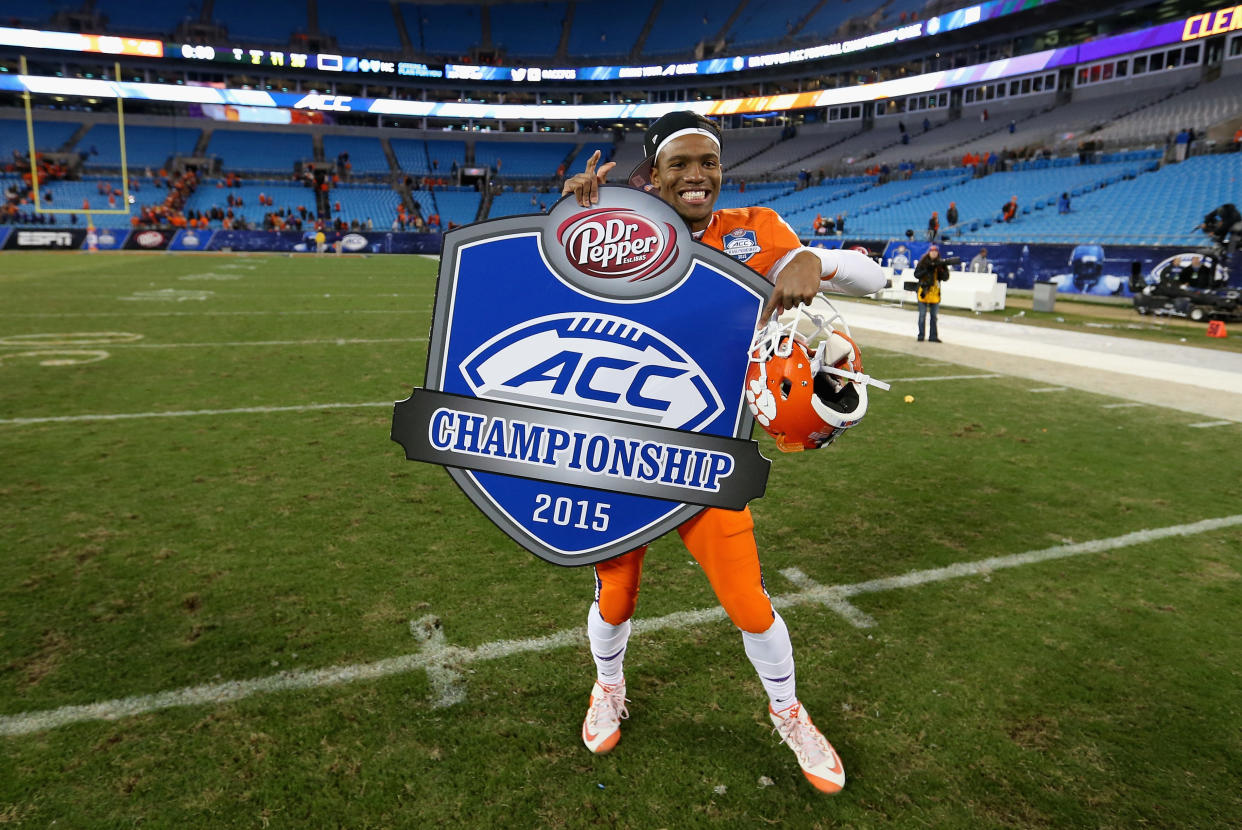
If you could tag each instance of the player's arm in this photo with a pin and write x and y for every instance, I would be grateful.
(804, 272)
(585, 186)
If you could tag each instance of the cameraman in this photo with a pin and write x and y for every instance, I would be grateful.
(930, 272)
(1224, 223)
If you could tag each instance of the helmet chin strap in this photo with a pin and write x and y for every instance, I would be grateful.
(857, 377)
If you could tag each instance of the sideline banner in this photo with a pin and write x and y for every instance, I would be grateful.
(46, 239)
(585, 376)
(150, 240)
(189, 239)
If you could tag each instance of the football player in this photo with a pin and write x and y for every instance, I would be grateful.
(683, 167)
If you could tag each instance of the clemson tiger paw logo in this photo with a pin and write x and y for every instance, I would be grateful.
(761, 402)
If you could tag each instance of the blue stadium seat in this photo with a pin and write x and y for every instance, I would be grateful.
(145, 146)
(366, 155)
(528, 29)
(360, 25)
(50, 136)
(449, 30)
(261, 21)
(243, 150)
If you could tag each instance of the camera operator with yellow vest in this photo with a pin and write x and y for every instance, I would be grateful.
(930, 272)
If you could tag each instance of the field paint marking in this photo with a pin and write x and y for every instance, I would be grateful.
(60, 357)
(1049, 389)
(332, 341)
(128, 314)
(1206, 424)
(447, 687)
(75, 338)
(61, 419)
(833, 600)
(31, 722)
(944, 377)
(1122, 405)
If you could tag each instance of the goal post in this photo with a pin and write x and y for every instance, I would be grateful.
(34, 165)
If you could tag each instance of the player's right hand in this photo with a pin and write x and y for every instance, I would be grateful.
(585, 186)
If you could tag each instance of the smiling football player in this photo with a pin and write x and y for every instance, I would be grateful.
(683, 167)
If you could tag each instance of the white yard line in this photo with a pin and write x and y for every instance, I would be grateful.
(1126, 405)
(125, 416)
(331, 341)
(1206, 424)
(1049, 389)
(443, 662)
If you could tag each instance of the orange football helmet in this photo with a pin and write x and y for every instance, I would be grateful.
(805, 385)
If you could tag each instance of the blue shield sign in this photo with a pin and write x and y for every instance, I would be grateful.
(585, 376)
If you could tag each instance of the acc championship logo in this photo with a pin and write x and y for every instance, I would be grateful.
(572, 389)
(741, 244)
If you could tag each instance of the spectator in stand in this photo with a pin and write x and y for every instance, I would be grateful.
(951, 216)
(933, 227)
(926, 124)
(840, 223)
(1063, 204)
(1181, 145)
(1010, 209)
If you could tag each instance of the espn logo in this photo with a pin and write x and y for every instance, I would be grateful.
(45, 239)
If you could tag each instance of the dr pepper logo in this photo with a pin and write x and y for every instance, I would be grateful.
(625, 252)
(612, 243)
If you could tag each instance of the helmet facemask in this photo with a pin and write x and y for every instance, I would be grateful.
(806, 385)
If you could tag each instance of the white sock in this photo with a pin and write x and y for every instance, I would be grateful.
(608, 643)
(771, 653)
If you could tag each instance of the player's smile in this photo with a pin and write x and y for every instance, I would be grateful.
(688, 175)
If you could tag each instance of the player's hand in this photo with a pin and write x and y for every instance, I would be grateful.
(797, 283)
(585, 186)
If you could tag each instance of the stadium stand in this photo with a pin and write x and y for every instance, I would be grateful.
(360, 25)
(679, 26)
(522, 160)
(599, 31)
(514, 203)
(375, 203)
(264, 152)
(145, 146)
(789, 155)
(528, 29)
(1197, 108)
(50, 136)
(144, 18)
(366, 154)
(423, 157)
(460, 207)
(18, 13)
(1156, 208)
(827, 19)
(442, 29)
(261, 21)
(282, 193)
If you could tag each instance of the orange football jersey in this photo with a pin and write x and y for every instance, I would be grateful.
(756, 236)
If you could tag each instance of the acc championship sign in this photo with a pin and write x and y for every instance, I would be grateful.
(585, 376)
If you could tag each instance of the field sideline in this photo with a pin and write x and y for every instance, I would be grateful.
(228, 601)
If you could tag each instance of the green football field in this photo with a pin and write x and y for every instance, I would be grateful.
(227, 600)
